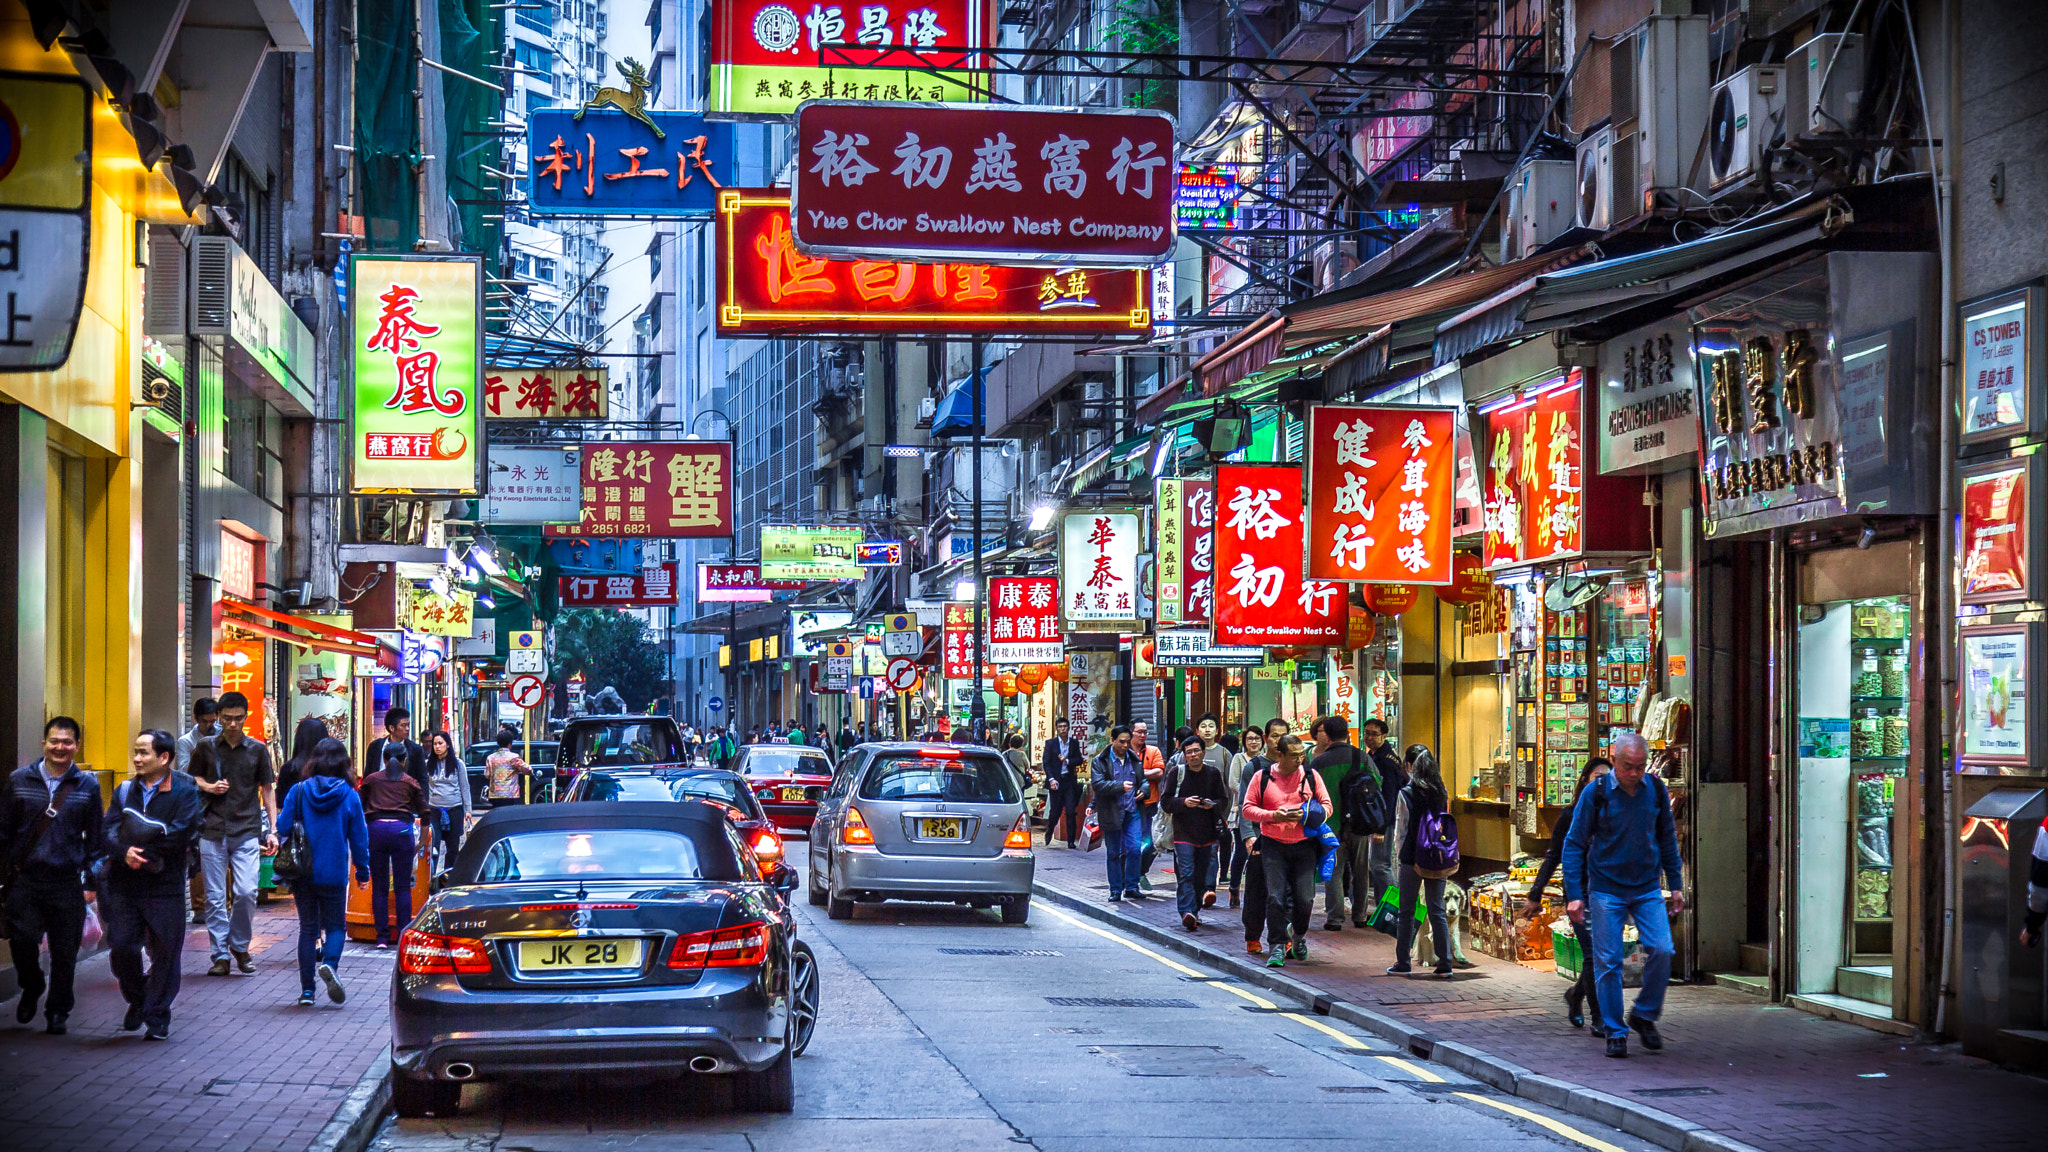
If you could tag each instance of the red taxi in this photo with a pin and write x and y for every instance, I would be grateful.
(788, 780)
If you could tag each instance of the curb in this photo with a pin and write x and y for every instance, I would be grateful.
(361, 1112)
(1652, 1124)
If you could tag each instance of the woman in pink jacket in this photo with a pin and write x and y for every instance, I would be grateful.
(1275, 799)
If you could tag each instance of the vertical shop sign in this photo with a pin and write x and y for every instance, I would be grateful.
(959, 652)
(45, 230)
(417, 331)
(677, 489)
(1024, 620)
(1099, 569)
(1166, 514)
(1261, 596)
(1999, 337)
(1198, 556)
(1535, 477)
(245, 667)
(1996, 547)
(1997, 663)
(1381, 488)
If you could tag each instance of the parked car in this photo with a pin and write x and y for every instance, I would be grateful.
(922, 822)
(789, 779)
(542, 762)
(711, 785)
(630, 741)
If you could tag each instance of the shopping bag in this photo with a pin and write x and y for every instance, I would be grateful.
(1387, 916)
(1094, 829)
(89, 940)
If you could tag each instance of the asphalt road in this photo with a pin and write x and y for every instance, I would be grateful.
(942, 1028)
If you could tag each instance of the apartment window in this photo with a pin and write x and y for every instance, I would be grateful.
(543, 269)
(535, 99)
(252, 441)
(538, 15)
(654, 261)
(256, 214)
(534, 57)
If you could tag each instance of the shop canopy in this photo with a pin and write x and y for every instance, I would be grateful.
(311, 634)
(956, 413)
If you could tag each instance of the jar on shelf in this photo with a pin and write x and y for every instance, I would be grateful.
(1894, 736)
(1866, 737)
(1868, 678)
(1892, 672)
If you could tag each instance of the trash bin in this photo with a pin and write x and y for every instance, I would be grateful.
(1999, 987)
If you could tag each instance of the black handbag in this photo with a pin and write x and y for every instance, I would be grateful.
(294, 859)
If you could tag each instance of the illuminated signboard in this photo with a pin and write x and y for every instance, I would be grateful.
(768, 56)
(1206, 197)
(546, 394)
(670, 489)
(416, 332)
(766, 286)
(609, 163)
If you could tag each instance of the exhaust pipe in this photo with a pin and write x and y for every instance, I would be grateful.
(708, 1064)
(459, 1071)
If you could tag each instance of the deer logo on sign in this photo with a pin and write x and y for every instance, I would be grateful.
(631, 100)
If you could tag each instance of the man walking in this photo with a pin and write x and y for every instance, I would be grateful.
(1153, 765)
(150, 832)
(1622, 840)
(1337, 764)
(1393, 778)
(1195, 796)
(1209, 731)
(50, 837)
(397, 730)
(1116, 776)
(1059, 760)
(205, 726)
(237, 778)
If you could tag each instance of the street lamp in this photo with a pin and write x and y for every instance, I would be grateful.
(1042, 514)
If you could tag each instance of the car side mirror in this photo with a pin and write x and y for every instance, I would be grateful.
(440, 880)
(783, 878)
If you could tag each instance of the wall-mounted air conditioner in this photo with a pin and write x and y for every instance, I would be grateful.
(1659, 82)
(1747, 110)
(1542, 204)
(164, 285)
(1815, 109)
(1595, 180)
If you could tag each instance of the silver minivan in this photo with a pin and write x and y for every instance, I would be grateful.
(935, 822)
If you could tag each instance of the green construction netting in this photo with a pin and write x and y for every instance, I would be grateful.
(469, 30)
(387, 125)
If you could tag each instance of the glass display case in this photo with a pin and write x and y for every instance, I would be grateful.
(1878, 738)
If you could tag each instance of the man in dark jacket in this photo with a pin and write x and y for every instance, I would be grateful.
(398, 730)
(1195, 795)
(50, 838)
(1116, 777)
(151, 832)
(1393, 778)
(1336, 763)
(1060, 761)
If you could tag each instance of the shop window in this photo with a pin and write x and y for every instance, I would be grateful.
(538, 15)
(252, 442)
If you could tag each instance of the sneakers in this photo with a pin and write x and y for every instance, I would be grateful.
(158, 1032)
(1145, 882)
(220, 967)
(1188, 921)
(1133, 894)
(1647, 1029)
(1299, 951)
(1208, 899)
(335, 991)
(133, 1019)
(26, 1010)
(1278, 959)
(1255, 948)
(1617, 1047)
(1443, 971)
(306, 998)
(1116, 897)
(1400, 969)
(1333, 926)
(246, 965)
(1233, 897)
(55, 1025)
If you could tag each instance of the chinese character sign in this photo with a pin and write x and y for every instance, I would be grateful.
(768, 56)
(417, 416)
(534, 486)
(652, 488)
(438, 615)
(651, 587)
(1261, 597)
(1099, 568)
(1198, 558)
(1033, 185)
(1995, 533)
(957, 651)
(1166, 516)
(547, 394)
(1381, 490)
(1996, 347)
(739, 584)
(1535, 478)
(649, 162)
(1024, 620)
(811, 553)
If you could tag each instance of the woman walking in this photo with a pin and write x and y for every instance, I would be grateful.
(306, 737)
(1584, 993)
(1248, 759)
(448, 800)
(1425, 795)
(391, 801)
(1277, 800)
(332, 815)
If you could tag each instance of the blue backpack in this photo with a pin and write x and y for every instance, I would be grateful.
(1436, 844)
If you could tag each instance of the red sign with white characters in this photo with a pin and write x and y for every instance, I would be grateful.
(1008, 183)
(652, 587)
(957, 654)
(1995, 533)
(1535, 477)
(1381, 488)
(660, 489)
(1261, 597)
(1198, 551)
(1024, 620)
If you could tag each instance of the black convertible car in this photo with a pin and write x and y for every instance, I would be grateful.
(592, 937)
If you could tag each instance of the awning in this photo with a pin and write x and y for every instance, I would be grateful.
(1313, 322)
(1251, 349)
(1266, 386)
(312, 634)
(1568, 297)
(955, 416)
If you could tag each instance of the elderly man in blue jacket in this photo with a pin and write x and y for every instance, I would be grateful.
(1622, 843)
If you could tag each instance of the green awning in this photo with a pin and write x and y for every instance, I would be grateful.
(1261, 387)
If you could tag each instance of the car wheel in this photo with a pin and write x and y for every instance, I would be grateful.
(773, 1089)
(812, 890)
(413, 1097)
(838, 907)
(803, 997)
(1017, 911)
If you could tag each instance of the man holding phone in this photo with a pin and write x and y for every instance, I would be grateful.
(1194, 795)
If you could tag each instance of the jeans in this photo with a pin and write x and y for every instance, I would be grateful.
(1605, 912)
(447, 831)
(1439, 924)
(1290, 887)
(158, 924)
(391, 865)
(1148, 852)
(1124, 846)
(1219, 864)
(1353, 875)
(1193, 866)
(39, 905)
(230, 928)
(1381, 867)
(1064, 802)
(1245, 837)
(1254, 891)
(323, 909)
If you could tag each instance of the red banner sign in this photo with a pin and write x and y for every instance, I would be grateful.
(1024, 620)
(767, 287)
(1995, 533)
(1261, 597)
(1535, 477)
(1009, 183)
(1198, 554)
(957, 654)
(653, 587)
(1381, 484)
(654, 488)
(545, 394)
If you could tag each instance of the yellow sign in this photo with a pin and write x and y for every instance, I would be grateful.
(725, 655)
(899, 622)
(438, 615)
(753, 651)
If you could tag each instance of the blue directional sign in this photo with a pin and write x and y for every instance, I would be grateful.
(867, 687)
(648, 162)
(716, 703)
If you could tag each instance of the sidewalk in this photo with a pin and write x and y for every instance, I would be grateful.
(245, 1069)
(1763, 1074)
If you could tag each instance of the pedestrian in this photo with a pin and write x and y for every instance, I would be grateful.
(1116, 775)
(310, 732)
(1424, 797)
(1336, 764)
(151, 829)
(1622, 839)
(1254, 869)
(205, 724)
(449, 804)
(51, 835)
(1583, 990)
(1277, 799)
(1393, 778)
(505, 774)
(1251, 756)
(846, 740)
(2037, 892)
(332, 815)
(1210, 732)
(1195, 796)
(1058, 760)
(237, 777)
(392, 801)
(397, 732)
(1153, 765)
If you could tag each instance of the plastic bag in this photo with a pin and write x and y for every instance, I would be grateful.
(94, 932)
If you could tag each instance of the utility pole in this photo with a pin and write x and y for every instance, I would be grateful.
(977, 710)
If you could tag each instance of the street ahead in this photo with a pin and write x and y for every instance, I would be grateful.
(943, 1029)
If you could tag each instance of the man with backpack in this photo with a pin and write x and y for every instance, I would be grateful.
(1353, 782)
(1622, 842)
(1393, 778)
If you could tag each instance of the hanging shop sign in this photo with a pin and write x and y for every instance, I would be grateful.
(1381, 490)
(665, 489)
(739, 584)
(2001, 349)
(45, 204)
(1206, 197)
(1998, 662)
(547, 394)
(534, 486)
(958, 647)
(879, 553)
(243, 665)
(1009, 183)
(417, 426)
(651, 587)
(1390, 599)
(1535, 479)
(1024, 620)
(767, 286)
(1648, 420)
(636, 161)
(768, 56)
(810, 553)
(437, 614)
(1261, 597)
(1166, 513)
(1198, 551)
(1196, 648)
(1099, 569)
(1998, 560)
(809, 620)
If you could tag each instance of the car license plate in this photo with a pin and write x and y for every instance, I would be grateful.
(578, 955)
(939, 829)
(793, 794)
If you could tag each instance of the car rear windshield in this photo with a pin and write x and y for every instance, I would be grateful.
(543, 752)
(725, 790)
(622, 743)
(768, 760)
(914, 776)
(584, 855)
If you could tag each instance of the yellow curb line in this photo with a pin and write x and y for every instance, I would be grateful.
(1558, 1127)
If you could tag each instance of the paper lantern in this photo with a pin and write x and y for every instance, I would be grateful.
(1390, 599)
(1059, 672)
(1360, 628)
(1031, 676)
(1470, 582)
(1006, 683)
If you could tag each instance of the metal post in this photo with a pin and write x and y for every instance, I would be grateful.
(977, 710)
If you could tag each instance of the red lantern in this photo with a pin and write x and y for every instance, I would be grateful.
(1006, 684)
(1059, 672)
(1361, 628)
(1031, 676)
(1470, 582)
(1390, 599)
(1287, 653)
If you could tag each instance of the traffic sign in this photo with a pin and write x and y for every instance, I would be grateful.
(523, 641)
(867, 687)
(901, 635)
(716, 703)
(903, 675)
(526, 661)
(527, 691)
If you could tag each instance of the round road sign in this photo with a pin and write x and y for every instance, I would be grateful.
(903, 675)
(526, 691)
(715, 703)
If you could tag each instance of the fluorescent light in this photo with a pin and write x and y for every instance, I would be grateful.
(439, 584)
(1041, 516)
(483, 559)
(484, 600)
(1165, 446)
(963, 590)
(902, 451)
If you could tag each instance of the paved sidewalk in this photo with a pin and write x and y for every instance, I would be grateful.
(245, 1069)
(1769, 1076)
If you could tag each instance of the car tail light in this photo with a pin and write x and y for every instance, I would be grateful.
(855, 830)
(1020, 834)
(743, 947)
(425, 954)
(767, 845)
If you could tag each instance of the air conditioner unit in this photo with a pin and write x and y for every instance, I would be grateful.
(164, 285)
(1542, 204)
(1659, 77)
(212, 291)
(1747, 109)
(1812, 111)
(1595, 199)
